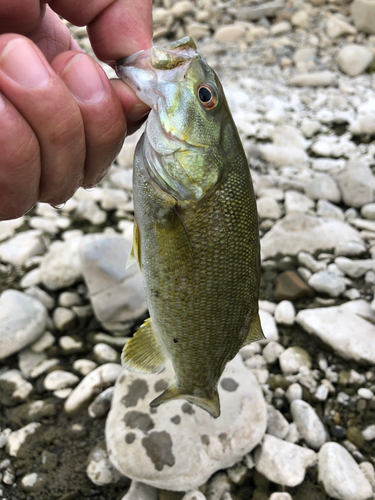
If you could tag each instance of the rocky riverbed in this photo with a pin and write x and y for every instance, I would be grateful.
(299, 408)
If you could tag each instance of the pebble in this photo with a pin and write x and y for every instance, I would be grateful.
(313, 79)
(268, 326)
(285, 313)
(369, 432)
(289, 286)
(282, 462)
(42, 296)
(104, 353)
(307, 260)
(327, 282)
(154, 446)
(101, 404)
(22, 321)
(7, 227)
(229, 33)
(21, 247)
(14, 389)
(363, 15)
(308, 423)
(84, 393)
(84, 366)
(293, 392)
(17, 438)
(59, 379)
(70, 345)
(322, 186)
(277, 424)
(64, 319)
(354, 59)
(357, 184)
(99, 468)
(340, 474)
(350, 248)
(292, 359)
(194, 495)
(337, 27)
(268, 208)
(33, 481)
(365, 393)
(272, 351)
(61, 266)
(280, 156)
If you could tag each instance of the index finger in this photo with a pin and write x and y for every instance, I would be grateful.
(116, 28)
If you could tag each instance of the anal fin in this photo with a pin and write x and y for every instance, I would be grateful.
(209, 403)
(255, 332)
(144, 352)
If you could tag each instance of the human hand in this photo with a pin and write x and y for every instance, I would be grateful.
(62, 122)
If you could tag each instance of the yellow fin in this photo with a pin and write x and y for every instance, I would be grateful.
(135, 252)
(255, 332)
(144, 352)
(210, 404)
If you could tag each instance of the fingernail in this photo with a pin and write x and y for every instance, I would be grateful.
(83, 80)
(22, 63)
(137, 112)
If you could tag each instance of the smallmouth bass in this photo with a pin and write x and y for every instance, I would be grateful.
(196, 236)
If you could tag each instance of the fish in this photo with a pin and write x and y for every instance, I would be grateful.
(196, 235)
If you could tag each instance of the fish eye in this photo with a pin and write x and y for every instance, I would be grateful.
(207, 96)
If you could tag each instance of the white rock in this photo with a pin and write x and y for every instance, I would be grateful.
(99, 468)
(21, 247)
(308, 423)
(7, 227)
(268, 208)
(292, 359)
(297, 202)
(363, 12)
(369, 432)
(14, 388)
(197, 30)
(288, 136)
(340, 474)
(294, 392)
(335, 326)
(113, 198)
(116, 293)
(314, 79)
(368, 211)
(282, 462)
(280, 496)
(22, 321)
(368, 470)
(363, 124)
(277, 424)
(336, 27)
(354, 59)
(308, 261)
(59, 379)
(84, 366)
(42, 296)
(153, 447)
(141, 491)
(322, 186)
(281, 156)
(194, 495)
(101, 404)
(63, 318)
(229, 33)
(327, 282)
(326, 209)
(350, 248)
(299, 232)
(69, 344)
(182, 8)
(285, 313)
(268, 326)
(61, 266)
(365, 393)
(33, 481)
(87, 389)
(32, 278)
(357, 184)
(17, 438)
(272, 351)
(355, 268)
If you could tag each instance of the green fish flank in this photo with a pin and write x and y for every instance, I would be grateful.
(196, 236)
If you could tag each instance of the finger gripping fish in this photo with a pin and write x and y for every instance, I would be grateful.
(196, 235)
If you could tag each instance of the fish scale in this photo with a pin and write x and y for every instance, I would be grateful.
(198, 249)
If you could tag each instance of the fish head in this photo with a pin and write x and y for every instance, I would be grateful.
(183, 147)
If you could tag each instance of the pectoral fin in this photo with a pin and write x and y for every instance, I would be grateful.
(255, 332)
(210, 403)
(144, 352)
(135, 252)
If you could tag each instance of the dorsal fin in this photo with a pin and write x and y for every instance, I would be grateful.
(144, 352)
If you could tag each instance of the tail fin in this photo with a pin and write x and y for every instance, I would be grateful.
(210, 403)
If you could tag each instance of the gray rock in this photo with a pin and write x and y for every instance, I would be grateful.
(299, 232)
(327, 282)
(277, 424)
(152, 446)
(335, 326)
(282, 462)
(22, 321)
(363, 12)
(314, 79)
(322, 186)
(308, 423)
(61, 266)
(340, 474)
(357, 184)
(98, 379)
(21, 247)
(292, 359)
(116, 293)
(141, 491)
(101, 404)
(99, 468)
(354, 59)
